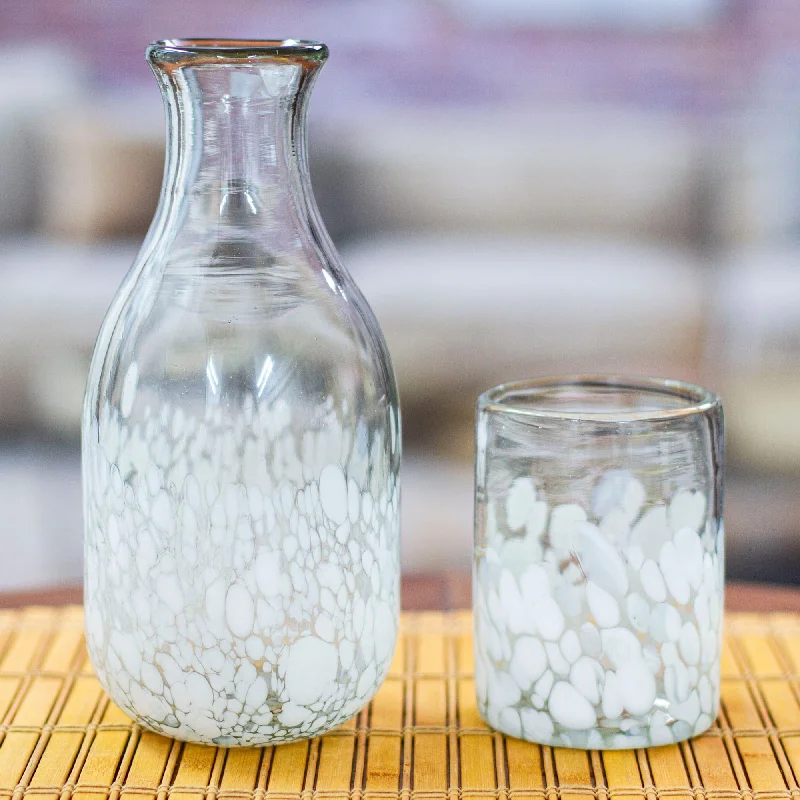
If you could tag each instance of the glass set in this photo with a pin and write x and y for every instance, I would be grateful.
(241, 453)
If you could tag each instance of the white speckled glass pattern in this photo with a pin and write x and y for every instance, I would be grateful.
(599, 565)
(241, 431)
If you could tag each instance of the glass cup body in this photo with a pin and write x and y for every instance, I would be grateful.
(241, 431)
(598, 567)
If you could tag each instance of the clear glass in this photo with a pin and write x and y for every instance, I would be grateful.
(241, 431)
(598, 570)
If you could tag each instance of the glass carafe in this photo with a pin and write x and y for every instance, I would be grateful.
(241, 430)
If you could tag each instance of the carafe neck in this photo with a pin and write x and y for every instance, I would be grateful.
(236, 137)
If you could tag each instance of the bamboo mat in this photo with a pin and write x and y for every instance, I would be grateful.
(60, 737)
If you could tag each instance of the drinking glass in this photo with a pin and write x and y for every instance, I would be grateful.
(598, 568)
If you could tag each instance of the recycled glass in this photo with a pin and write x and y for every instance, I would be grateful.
(241, 430)
(599, 561)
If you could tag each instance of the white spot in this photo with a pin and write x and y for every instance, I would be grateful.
(509, 722)
(537, 725)
(519, 502)
(366, 683)
(571, 646)
(690, 552)
(673, 570)
(555, 657)
(651, 531)
(215, 600)
(638, 687)
(310, 666)
(705, 693)
(590, 640)
(653, 582)
(618, 490)
(549, 619)
(254, 647)
(586, 676)
(257, 693)
(333, 493)
(665, 623)
(200, 693)
(268, 572)
(601, 561)
(161, 513)
(620, 645)
(602, 606)
(528, 662)
(689, 643)
(688, 710)
(384, 632)
(292, 715)
(687, 510)
(569, 708)
(169, 590)
(612, 697)
(534, 584)
(564, 520)
(638, 612)
(239, 611)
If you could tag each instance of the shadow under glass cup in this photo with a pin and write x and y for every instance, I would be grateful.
(598, 565)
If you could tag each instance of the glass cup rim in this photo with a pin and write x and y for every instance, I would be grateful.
(697, 399)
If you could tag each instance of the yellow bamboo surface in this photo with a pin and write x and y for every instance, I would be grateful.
(61, 737)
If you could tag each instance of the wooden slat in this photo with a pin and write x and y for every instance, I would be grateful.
(713, 764)
(383, 763)
(729, 666)
(781, 703)
(37, 703)
(397, 667)
(81, 702)
(668, 770)
(477, 764)
(241, 769)
(14, 755)
(288, 768)
(622, 772)
(62, 651)
(101, 764)
(760, 656)
(573, 770)
(524, 767)
(387, 705)
(791, 646)
(56, 761)
(467, 705)
(194, 771)
(430, 762)
(465, 654)
(430, 702)
(335, 765)
(763, 772)
(791, 746)
(8, 691)
(147, 767)
(739, 706)
(24, 647)
(430, 654)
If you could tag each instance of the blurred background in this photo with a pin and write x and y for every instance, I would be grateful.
(520, 187)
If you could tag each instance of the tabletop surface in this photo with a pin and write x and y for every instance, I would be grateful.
(420, 737)
(451, 590)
